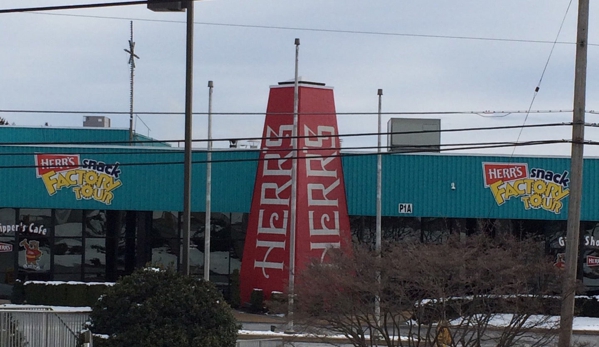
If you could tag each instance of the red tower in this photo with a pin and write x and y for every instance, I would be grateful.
(321, 208)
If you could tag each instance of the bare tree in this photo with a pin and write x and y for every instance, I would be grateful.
(3, 121)
(468, 283)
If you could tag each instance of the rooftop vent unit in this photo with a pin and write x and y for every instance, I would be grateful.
(412, 135)
(96, 121)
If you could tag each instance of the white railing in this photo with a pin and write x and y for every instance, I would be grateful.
(41, 326)
(260, 343)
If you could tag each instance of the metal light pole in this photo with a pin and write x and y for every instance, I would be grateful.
(576, 166)
(207, 227)
(166, 6)
(188, 123)
(292, 231)
(377, 300)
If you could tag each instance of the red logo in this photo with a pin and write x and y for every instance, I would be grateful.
(321, 221)
(592, 261)
(5, 247)
(560, 261)
(45, 163)
(495, 172)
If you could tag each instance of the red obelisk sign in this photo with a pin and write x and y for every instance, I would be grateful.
(321, 213)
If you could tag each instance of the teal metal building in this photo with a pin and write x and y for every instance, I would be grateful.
(85, 204)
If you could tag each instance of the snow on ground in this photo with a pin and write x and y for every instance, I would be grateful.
(580, 324)
(586, 324)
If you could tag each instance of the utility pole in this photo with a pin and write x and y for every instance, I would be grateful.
(207, 225)
(293, 207)
(188, 132)
(379, 237)
(576, 167)
(132, 57)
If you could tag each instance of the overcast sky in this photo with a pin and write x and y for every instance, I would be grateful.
(427, 56)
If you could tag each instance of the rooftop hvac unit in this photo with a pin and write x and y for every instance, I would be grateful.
(96, 121)
(411, 135)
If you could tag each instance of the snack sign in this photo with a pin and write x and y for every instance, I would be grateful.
(88, 179)
(537, 188)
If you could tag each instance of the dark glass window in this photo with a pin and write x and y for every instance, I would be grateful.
(95, 245)
(68, 244)
(164, 238)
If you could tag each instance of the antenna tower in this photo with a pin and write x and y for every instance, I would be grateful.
(132, 57)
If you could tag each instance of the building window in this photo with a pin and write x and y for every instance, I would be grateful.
(164, 238)
(95, 245)
(68, 245)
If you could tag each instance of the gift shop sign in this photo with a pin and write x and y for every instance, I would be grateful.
(537, 188)
(88, 179)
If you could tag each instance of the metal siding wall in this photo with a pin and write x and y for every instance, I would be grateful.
(590, 190)
(15, 134)
(425, 182)
(233, 175)
(360, 184)
(152, 180)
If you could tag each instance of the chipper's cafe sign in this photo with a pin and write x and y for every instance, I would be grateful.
(537, 188)
(88, 179)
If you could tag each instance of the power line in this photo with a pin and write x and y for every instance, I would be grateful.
(390, 113)
(536, 92)
(412, 148)
(337, 31)
(73, 7)
(480, 145)
(505, 127)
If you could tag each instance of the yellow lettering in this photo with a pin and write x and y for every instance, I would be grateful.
(517, 186)
(510, 191)
(498, 192)
(62, 182)
(540, 187)
(526, 201)
(90, 178)
(49, 182)
(107, 182)
(536, 200)
(559, 192)
(107, 197)
(79, 173)
(87, 191)
(557, 206)
(528, 185)
(77, 191)
(547, 202)
(69, 175)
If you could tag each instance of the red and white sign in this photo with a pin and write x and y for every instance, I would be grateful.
(592, 261)
(45, 163)
(5, 247)
(495, 172)
(322, 221)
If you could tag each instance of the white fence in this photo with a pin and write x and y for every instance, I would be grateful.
(260, 343)
(41, 326)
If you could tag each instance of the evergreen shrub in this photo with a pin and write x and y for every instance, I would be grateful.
(156, 307)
